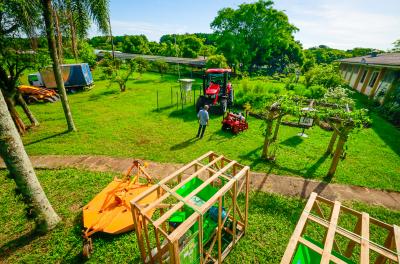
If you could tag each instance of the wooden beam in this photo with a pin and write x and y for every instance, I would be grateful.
(173, 190)
(168, 178)
(190, 195)
(319, 250)
(343, 232)
(291, 247)
(364, 257)
(396, 233)
(326, 255)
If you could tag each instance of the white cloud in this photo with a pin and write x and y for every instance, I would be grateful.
(344, 25)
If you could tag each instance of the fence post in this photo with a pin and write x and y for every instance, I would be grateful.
(194, 97)
(157, 100)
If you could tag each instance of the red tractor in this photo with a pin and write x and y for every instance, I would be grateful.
(217, 90)
(235, 123)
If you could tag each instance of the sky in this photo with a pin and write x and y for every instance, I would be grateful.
(342, 24)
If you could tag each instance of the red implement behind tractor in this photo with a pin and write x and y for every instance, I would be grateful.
(235, 123)
(217, 90)
(34, 94)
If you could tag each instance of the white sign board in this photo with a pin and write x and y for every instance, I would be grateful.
(306, 121)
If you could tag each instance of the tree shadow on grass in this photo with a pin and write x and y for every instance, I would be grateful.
(140, 81)
(307, 172)
(185, 115)
(160, 109)
(94, 97)
(10, 247)
(184, 144)
(293, 141)
(48, 137)
(387, 132)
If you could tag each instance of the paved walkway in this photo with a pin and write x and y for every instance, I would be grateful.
(285, 185)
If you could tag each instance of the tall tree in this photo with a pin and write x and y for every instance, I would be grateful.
(257, 35)
(18, 19)
(20, 167)
(49, 23)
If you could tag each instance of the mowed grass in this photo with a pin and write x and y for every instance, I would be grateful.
(272, 219)
(128, 125)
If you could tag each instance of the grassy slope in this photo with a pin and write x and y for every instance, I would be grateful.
(127, 125)
(272, 219)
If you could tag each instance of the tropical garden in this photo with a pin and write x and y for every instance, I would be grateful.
(135, 110)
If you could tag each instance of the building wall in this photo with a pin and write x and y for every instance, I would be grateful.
(369, 80)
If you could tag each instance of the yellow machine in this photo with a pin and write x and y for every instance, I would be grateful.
(110, 210)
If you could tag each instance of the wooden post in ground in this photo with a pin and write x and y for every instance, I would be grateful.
(278, 123)
(268, 131)
(338, 152)
(332, 143)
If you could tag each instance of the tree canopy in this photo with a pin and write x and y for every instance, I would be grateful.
(256, 35)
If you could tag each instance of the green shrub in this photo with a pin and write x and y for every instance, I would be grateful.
(325, 75)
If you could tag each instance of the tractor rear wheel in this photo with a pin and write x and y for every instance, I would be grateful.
(201, 101)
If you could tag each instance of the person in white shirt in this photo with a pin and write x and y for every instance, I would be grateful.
(203, 121)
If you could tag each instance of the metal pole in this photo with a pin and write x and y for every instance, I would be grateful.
(194, 97)
(177, 101)
(157, 100)
(171, 94)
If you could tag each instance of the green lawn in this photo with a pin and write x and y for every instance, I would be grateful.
(272, 219)
(128, 125)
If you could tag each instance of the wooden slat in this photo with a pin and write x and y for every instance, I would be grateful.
(396, 231)
(159, 200)
(326, 255)
(291, 247)
(352, 244)
(190, 195)
(169, 177)
(364, 257)
(319, 250)
(350, 235)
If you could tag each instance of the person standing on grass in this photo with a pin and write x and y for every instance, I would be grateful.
(203, 121)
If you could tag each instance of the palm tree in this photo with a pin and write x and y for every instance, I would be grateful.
(20, 167)
(49, 23)
(17, 18)
(97, 10)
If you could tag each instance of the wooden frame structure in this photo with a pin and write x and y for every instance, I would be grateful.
(341, 129)
(162, 242)
(366, 226)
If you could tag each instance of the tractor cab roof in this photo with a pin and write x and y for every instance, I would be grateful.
(218, 71)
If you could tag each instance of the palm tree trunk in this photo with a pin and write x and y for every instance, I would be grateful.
(58, 35)
(27, 111)
(73, 35)
(17, 161)
(48, 19)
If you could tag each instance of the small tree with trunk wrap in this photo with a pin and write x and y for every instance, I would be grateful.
(334, 109)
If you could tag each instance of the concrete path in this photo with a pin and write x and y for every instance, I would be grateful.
(285, 185)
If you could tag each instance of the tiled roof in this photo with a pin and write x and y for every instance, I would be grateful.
(390, 59)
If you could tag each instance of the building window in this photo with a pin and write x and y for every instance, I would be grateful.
(373, 79)
(363, 76)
